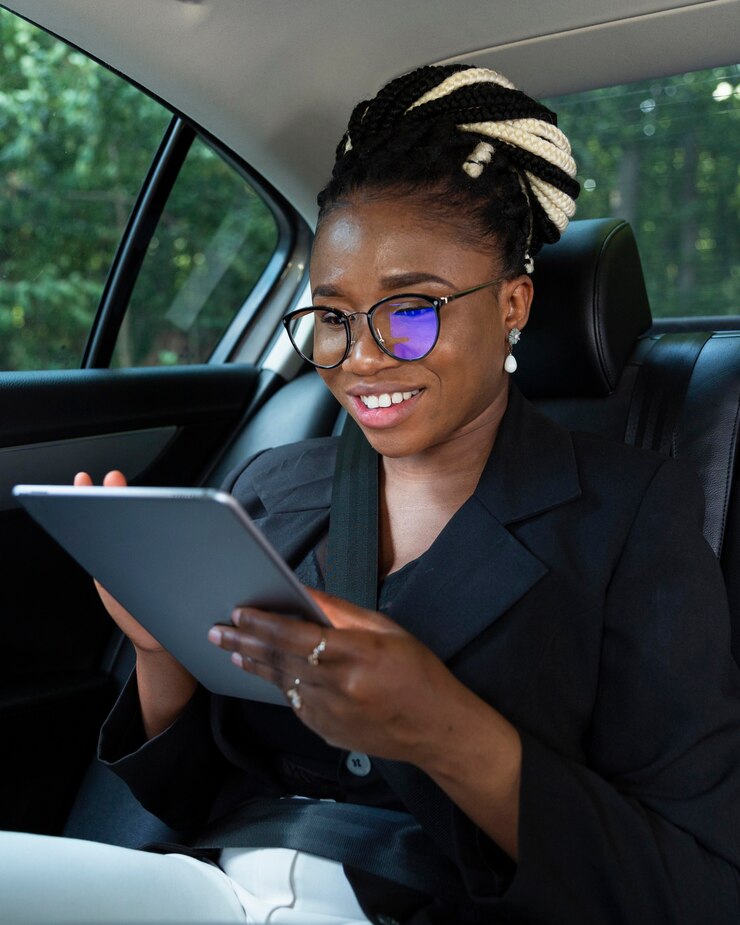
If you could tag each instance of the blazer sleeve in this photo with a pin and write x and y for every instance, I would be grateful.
(649, 829)
(175, 775)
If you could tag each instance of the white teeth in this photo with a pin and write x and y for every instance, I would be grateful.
(386, 399)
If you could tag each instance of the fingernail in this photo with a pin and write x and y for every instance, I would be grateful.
(237, 659)
(215, 635)
(236, 617)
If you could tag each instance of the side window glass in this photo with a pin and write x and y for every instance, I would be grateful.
(213, 242)
(76, 142)
(663, 154)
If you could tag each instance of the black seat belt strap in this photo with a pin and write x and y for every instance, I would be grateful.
(660, 391)
(379, 841)
(352, 558)
(383, 842)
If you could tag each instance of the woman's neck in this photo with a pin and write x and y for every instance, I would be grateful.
(419, 494)
(453, 466)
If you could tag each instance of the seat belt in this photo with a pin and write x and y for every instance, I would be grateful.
(352, 558)
(382, 842)
(660, 391)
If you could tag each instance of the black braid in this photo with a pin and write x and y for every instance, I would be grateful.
(419, 153)
(390, 104)
(467, 101)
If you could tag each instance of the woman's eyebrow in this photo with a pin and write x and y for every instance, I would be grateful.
(395, 281)
(403, 280)
(326, 290)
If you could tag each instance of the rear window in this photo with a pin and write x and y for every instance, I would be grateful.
(664, 154)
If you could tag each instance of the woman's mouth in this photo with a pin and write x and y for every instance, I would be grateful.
(384, 409)
(386, 399)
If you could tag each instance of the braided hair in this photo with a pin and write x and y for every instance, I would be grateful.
(462, 141)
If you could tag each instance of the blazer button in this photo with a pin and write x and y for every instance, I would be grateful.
(358, 763)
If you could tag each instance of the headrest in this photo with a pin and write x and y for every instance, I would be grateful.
(590, 306)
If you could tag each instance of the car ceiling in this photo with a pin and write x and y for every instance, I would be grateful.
(275, 79)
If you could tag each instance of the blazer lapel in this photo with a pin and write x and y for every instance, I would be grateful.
(477, 569)
(474, 572)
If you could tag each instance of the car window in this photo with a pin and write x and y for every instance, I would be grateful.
(76, 144)
(213, 242)
(663, 154)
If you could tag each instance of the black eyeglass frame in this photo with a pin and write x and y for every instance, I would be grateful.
(437, 302)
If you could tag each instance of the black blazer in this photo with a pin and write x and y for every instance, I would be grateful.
(576, 594)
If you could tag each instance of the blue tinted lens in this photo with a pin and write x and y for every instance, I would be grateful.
(408, 329)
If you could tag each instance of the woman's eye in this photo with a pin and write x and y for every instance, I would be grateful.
(332, 319)
(412, 312)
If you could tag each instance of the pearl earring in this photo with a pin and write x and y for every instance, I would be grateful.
(510, 363)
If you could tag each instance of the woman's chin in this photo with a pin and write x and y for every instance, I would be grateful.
(395, 443)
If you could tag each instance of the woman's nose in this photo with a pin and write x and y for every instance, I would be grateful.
(364, 352)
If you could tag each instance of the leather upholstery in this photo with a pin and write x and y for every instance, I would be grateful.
(590, 306)
(582, 360)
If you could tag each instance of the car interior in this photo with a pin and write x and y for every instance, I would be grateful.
(272, 83)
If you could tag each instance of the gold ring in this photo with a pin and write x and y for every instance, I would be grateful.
(315, 657)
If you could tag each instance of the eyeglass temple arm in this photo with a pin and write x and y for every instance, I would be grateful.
(458, 295)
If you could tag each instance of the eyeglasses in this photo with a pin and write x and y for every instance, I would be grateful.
(405, 327)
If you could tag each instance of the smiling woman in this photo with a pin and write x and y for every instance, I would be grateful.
(525, 707)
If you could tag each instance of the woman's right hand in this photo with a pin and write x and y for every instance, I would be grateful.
(142, 639)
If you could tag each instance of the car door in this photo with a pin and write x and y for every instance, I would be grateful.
(143, 269)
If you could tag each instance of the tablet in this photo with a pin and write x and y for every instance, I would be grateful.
(180, 560)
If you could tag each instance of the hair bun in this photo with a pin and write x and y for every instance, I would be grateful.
(413, 133)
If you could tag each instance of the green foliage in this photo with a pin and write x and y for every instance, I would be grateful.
(76, 142)
(663, 154)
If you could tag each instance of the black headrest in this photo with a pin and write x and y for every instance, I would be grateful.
(590, 306)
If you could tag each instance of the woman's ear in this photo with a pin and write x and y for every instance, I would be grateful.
(518, 300)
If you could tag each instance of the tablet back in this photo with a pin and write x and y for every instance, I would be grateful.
(179, 560)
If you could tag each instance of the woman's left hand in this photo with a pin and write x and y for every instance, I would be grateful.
(375, 689)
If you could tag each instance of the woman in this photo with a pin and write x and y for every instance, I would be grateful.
(545, 715)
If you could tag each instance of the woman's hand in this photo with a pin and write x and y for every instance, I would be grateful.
(142, 640)
(375, 689)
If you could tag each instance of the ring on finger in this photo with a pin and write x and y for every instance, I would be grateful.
(315, 656)
(296, 701)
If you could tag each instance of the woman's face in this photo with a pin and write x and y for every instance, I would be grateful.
(368, 250)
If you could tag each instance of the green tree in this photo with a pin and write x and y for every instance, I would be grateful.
(76, 142)
(663, 154)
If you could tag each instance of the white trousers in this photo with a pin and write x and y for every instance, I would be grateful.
(61, 881)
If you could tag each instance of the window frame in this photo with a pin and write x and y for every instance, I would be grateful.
(283, 280)
(142, 224)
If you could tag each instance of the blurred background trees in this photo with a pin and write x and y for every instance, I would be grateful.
(665, 155)
(76, 142)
